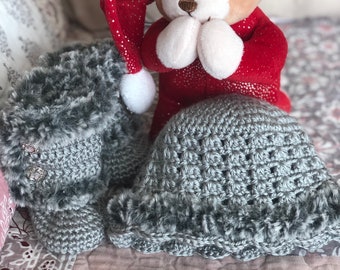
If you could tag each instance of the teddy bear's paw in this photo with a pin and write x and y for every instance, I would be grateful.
(177, 43)
(220, 49)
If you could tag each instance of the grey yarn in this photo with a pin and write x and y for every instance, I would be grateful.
(69, 231)
(65, 120)
(229, 176)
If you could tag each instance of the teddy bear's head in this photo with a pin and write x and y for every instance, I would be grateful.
(203, 10)
(201, 29)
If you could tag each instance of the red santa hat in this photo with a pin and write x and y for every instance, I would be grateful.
(126, 20)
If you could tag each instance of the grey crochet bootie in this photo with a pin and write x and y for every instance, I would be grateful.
(65, 120)
(229, 176)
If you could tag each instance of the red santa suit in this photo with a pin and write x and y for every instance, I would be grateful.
(258, 75)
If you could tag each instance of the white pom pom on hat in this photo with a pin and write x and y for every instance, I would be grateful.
(126, 20)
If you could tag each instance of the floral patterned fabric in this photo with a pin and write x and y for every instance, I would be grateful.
(28, 28)
(22, 251)
(311, 77)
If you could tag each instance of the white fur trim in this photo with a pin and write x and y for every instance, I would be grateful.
(220, 49)
(138, 91)
(177, 44)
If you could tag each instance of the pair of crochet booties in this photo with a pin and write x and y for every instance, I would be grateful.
(66, 140)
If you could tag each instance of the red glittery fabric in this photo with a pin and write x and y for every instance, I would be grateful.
(265, 52)
(126, 22)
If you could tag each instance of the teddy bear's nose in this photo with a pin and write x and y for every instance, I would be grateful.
(188, 5)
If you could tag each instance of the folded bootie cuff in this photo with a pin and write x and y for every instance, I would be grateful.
(52, 134)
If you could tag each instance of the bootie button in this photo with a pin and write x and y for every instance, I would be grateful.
(30, 148)
(36, 173)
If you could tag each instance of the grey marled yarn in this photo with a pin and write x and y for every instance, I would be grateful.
(69, 231)
(229, 176)
(65, 119)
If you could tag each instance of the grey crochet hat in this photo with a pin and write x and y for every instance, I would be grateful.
(61, 141)
(229, 176)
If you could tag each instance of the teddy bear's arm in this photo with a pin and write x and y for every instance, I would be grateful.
(264, 55)
(148, 49)
(219, 48)
(177, 43)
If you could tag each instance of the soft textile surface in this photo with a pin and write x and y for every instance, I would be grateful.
(22, 251)
(27, 29)
(311, 77)
(106, 257)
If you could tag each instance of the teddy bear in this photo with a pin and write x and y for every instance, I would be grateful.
(205, 48)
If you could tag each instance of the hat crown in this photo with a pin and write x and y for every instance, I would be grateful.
(242, 152)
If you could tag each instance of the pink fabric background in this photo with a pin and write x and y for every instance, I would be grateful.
(6, 210)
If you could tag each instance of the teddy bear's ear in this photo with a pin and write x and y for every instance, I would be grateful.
(240, 10)
(159, 4)
(166, 7)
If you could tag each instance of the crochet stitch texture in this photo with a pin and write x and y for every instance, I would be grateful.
(61, 139)
(229, 176)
